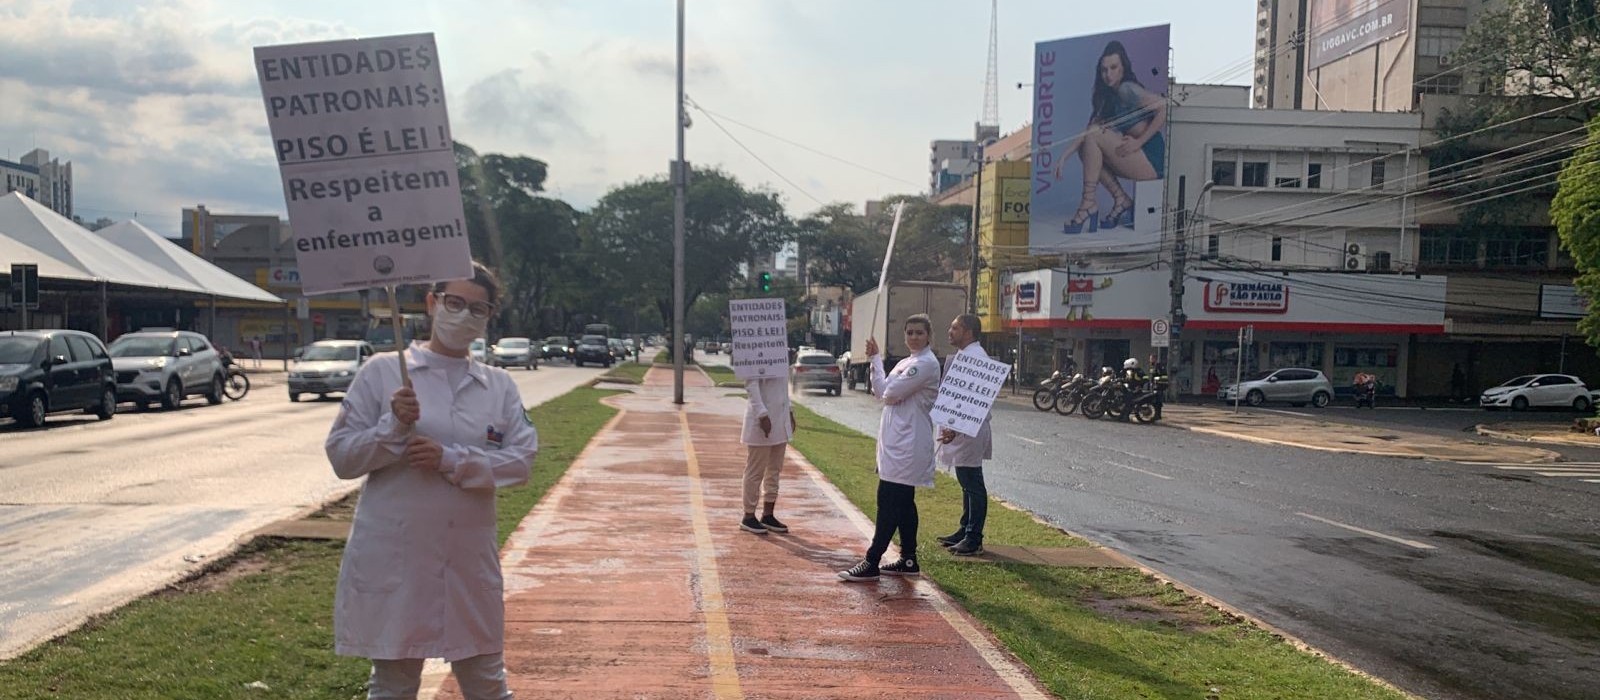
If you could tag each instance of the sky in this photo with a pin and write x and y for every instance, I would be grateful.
(157, 106)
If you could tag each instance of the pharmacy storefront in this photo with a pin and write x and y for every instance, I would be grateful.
(1341, 324)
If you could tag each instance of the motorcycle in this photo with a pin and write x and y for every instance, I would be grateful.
(1145, 404)
(1106, 395)
(236, 384)
(1070, 395)
(1045, 396)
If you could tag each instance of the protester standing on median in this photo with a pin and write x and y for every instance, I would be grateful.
(905, 449)
(421, 577)
(966, 454)
(768, 427)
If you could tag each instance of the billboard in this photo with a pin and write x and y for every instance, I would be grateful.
(1099, 140)
(1338, 28)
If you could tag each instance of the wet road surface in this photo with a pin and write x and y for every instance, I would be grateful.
(1449, 580)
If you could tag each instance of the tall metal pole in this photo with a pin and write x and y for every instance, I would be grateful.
(1180, 257)
(977, 223)
(680, 179)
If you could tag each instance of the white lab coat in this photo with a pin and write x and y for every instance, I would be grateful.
(421, 574)
(905, 430)
(768, 397)
(966, 451)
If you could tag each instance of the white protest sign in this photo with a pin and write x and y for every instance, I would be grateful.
(760, 338)
(363, 144)
(967, 393)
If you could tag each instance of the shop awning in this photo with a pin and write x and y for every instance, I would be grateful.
(160, 251)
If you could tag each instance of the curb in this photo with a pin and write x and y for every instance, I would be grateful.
(1489, 432)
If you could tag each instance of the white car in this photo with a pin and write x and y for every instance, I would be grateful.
(1534, 390)
(166, 366)
(480, 346)
(327, 366)
(514, 352)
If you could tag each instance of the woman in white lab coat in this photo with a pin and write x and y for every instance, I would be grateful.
(905, 449)
(420, 577)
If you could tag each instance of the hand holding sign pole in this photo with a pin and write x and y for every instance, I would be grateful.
(883, 275)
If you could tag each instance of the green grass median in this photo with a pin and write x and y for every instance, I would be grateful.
(264, 616)
(721, 374)
(626, 373)
(1088, 633)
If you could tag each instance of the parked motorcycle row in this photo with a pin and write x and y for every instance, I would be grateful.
(1123, 397)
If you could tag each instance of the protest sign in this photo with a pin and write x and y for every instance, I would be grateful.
(363, 143)
(760, 338)
(967, 393)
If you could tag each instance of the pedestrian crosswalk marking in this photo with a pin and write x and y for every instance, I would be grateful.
(1587, 472)
(1561, 474)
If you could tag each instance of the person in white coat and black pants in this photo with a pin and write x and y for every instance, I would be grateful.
(768, 427)
(905, 449)
(421, 577)
(966, 454)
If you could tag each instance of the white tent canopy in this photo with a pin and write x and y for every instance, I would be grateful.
(158, 250)
(131, 256)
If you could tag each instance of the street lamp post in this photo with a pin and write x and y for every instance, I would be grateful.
(680, 181)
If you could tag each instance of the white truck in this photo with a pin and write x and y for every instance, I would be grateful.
(941, 301)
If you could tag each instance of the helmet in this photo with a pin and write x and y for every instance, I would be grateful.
(1130, 363)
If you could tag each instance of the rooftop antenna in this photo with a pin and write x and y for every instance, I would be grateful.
(991, 81)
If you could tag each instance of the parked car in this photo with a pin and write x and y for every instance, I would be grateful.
(480, 349)
(327, 366)
(713, 347)
(817, 369)
(592, 349)
(166, 366)
(514, 352)
(1295, 386)
(556, 346)
(1538, 390)
(53, 371)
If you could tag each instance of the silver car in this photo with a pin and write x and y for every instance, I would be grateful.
(514, 352)
(1294, 386)
(327, 366)
(166, 366)
(816, 369)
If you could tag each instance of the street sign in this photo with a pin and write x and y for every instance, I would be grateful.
(364, 149)
(25, 286)
(302, 308)
(760, 338)
(1160, 333)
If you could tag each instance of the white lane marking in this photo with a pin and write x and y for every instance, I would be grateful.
(1546, 465)
(1019, 437)
(1593, 481)
(1369, 533)
(1141, 471)
(1577, 474)
(1547, 468)
(1296, 414)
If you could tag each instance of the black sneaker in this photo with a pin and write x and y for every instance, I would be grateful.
(949, 541)
(774, 524)
(750, 524)
(903, 567)
(863, 571)
(967, 548)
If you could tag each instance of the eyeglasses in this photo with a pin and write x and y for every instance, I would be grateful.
(456, 304)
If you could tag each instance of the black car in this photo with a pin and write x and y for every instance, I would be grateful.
(592, 349)
(53, 371)
(555, 347)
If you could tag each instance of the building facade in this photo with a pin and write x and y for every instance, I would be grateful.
(42, 179)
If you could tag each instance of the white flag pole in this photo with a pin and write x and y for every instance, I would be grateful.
(883, 275)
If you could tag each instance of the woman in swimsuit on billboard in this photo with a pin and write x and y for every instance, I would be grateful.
(1122, 140)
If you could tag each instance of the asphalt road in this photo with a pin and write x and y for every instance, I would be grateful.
(94, 514)
(1449, 580)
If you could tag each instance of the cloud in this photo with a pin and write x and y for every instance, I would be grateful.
(509, 105)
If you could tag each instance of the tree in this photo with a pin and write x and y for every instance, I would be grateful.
(841, 248)
(930, 244)
(1575, 211)
(1527, 57)
(628, 237)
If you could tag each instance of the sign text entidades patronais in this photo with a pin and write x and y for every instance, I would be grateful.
(362, 138)
(760, 338)
(967, 393)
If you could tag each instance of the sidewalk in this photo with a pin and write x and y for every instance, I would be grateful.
(632, 580)
(1335, 436)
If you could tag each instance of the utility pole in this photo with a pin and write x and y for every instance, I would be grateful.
(1180, 257)
(977, 207)
(680, 182)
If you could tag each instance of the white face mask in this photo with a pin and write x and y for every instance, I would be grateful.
(457, 330)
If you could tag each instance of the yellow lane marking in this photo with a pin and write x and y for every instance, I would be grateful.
(719, 636)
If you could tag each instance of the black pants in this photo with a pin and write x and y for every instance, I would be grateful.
(897, 511)
(974, 502)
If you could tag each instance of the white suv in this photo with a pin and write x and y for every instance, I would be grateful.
(166, 366)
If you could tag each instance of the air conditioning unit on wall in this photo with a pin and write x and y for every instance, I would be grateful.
(1354, 257)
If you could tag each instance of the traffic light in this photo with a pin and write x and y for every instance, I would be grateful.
(766, 281)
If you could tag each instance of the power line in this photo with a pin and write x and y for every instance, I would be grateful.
(768, 166)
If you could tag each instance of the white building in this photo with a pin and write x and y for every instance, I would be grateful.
(40, 178)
